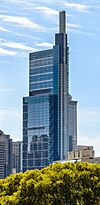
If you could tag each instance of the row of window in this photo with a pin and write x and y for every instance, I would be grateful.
(33, 79)
(42, 81)
(41, 63)
(42, 69)
(37, 58)
(39, 132)
(37, 117)
(38, 109)
(37, 163)
(41, 85)
(38, 122)
(28, 101)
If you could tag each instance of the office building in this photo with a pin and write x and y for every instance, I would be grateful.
(72, 125)
(46, 109)
(16, 157)
(5, 155)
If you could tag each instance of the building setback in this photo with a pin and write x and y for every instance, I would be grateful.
(46, 109)
(5, 155)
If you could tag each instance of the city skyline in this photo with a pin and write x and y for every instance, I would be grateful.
(18, 37)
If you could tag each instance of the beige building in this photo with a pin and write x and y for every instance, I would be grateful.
(83, 152)
(86, 148)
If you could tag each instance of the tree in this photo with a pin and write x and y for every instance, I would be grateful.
(57, 184)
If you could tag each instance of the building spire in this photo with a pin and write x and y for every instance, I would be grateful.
(62, 22)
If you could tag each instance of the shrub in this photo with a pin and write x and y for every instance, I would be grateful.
(57, 184)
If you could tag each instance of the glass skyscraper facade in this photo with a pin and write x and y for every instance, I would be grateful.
(46, 110)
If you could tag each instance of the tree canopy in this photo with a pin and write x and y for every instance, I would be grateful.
(58, 184)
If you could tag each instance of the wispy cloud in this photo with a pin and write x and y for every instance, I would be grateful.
(3, 29)
(76, 30)
(47, 10)
(4, 90)
(31, 1)
(44, 44)
(78, 7)
(24, 2)
(74, 26)
(7, 52)
(15, 45)
(22, 21)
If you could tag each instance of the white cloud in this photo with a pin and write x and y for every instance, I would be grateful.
(3, 29)
(7, 52)
(48, 11)
(15, 45)
(24, 2)
(78, 7)
(45, 44)
(75, 26)
(76, 30)
(28, 1)
(23, 21)
(7, 90)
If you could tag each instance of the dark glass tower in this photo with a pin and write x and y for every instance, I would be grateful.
(45, 110)
(63, 86)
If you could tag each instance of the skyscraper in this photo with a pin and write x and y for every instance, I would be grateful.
(46, 109)
(16, 157)
(5, 155)
(72, 124)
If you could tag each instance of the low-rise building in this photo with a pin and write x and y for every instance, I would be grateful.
(86, 151)
(82, 152)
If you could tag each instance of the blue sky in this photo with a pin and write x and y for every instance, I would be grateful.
(30, 25)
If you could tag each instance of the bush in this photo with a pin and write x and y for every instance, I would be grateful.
(57, 184)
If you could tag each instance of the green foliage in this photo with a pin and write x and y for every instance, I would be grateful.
(57, 184)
